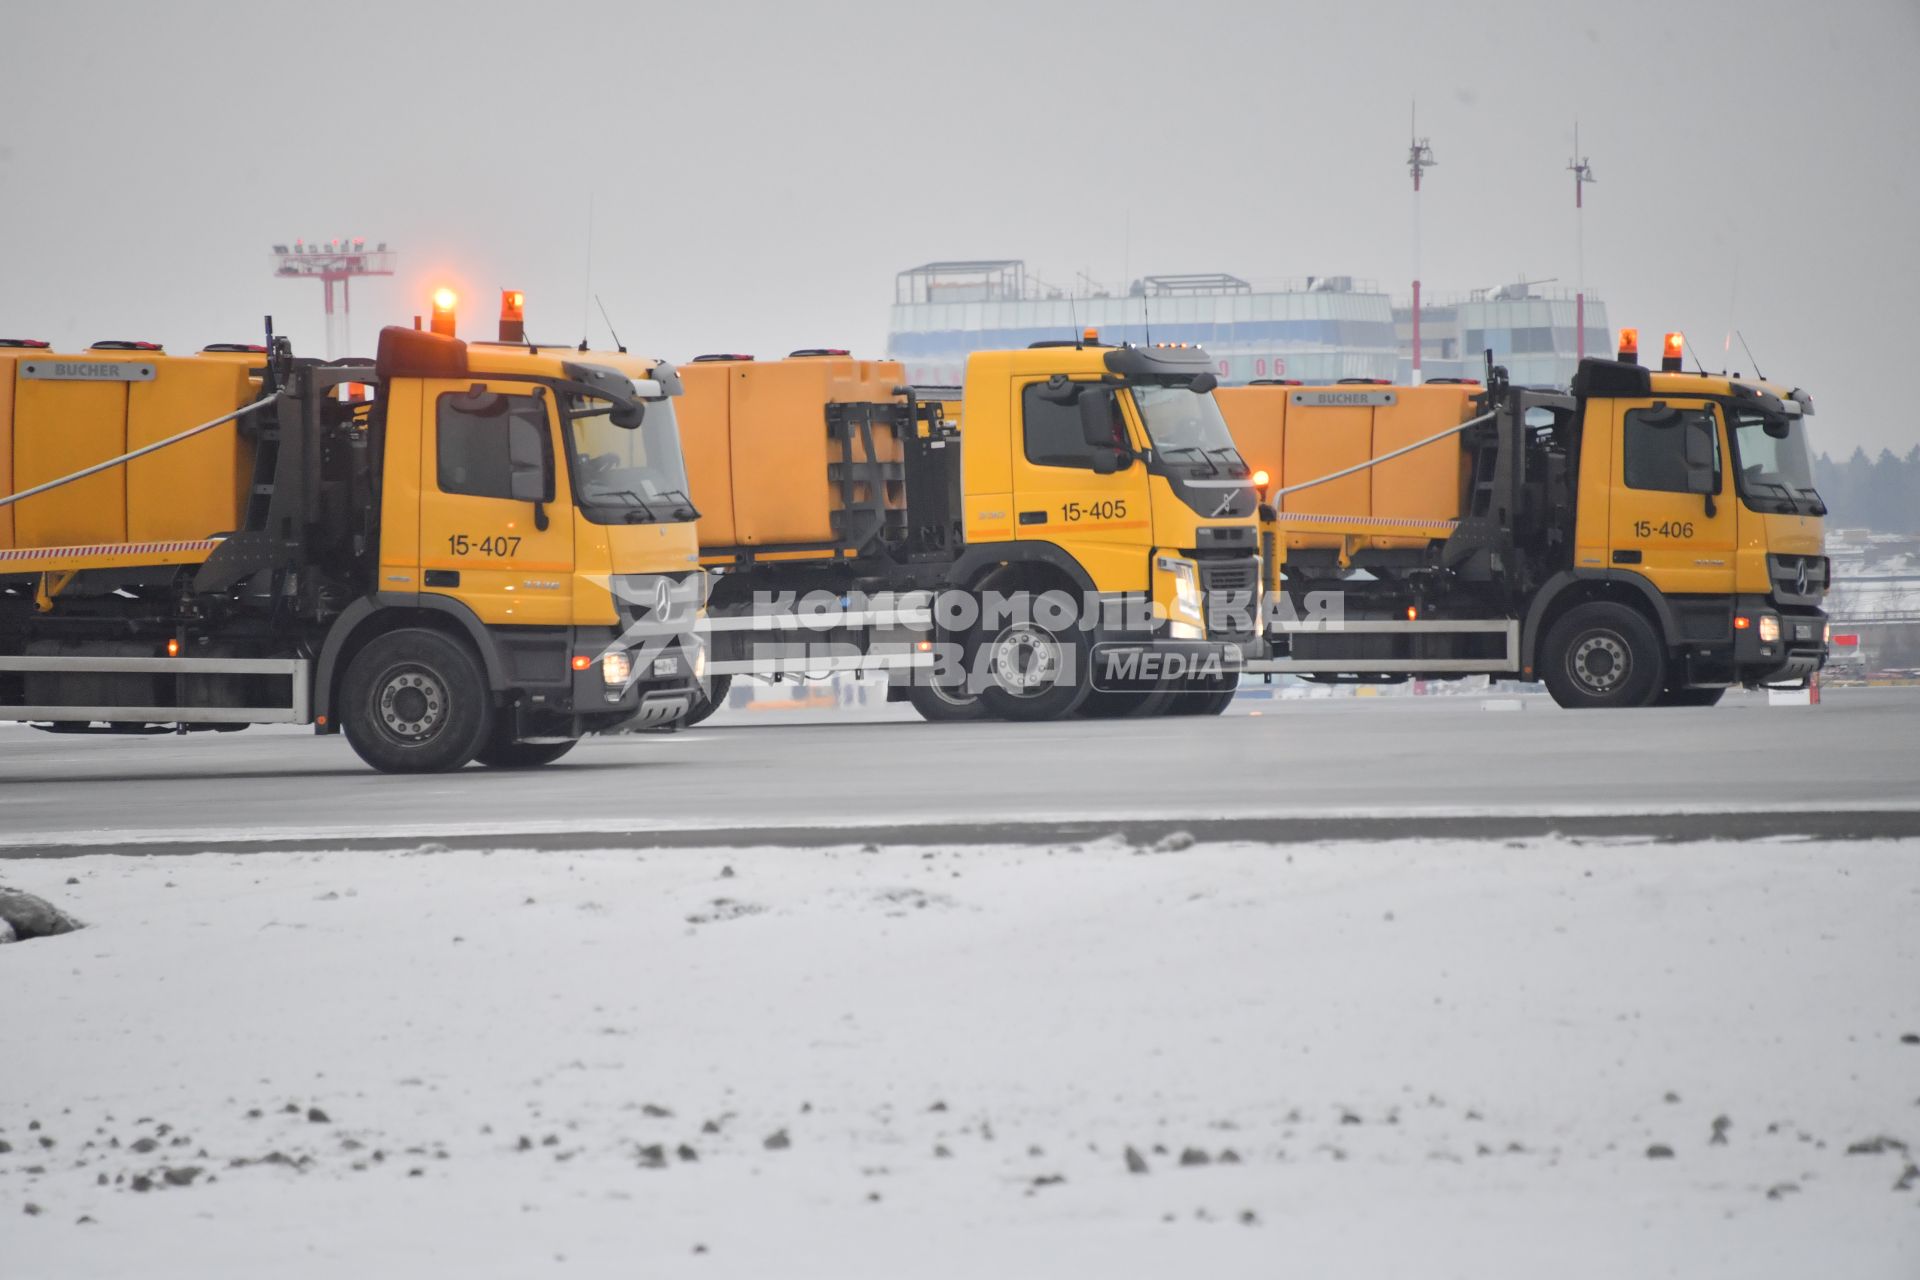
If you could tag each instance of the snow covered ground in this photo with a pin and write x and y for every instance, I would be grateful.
(1422, 1059)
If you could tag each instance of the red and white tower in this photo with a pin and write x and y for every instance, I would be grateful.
(1419, 160)
(333, 262)
(1582, 175)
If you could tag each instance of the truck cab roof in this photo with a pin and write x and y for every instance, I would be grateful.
(1604, 378)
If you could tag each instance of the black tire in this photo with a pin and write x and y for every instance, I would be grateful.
(509, 754)
(1689, 697)
(943, 704)
(415, 701)
(1131, 704)
(1208, 701)
(1603, 654)
(1034, 672)
(718, 687)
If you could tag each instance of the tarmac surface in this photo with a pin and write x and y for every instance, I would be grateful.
(1336, 768)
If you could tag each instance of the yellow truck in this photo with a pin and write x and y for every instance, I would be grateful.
(455, 552)
(1649, 537)
(1072, 532)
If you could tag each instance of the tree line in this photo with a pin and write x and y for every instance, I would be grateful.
(1881, 494)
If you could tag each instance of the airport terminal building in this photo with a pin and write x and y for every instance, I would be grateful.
(1319, 329)
(1530, 331)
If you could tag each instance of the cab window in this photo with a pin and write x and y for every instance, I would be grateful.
(1655, 443)
(1054, 437)
(481, 436)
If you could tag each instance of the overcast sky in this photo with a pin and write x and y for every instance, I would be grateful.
(759, 172)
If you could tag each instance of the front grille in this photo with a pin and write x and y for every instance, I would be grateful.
(660, 599)
(1231, 597)
(1798, 579)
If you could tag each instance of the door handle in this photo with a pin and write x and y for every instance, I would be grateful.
(1626, 557)
(1033, 517)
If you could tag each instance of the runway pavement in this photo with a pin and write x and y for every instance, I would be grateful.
(1335, 768)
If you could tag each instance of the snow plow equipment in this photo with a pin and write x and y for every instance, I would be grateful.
(1646, 538)
(454, 567)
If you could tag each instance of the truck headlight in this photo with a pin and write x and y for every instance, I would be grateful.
(616, 667)
(1186, 586)
(1769, 628)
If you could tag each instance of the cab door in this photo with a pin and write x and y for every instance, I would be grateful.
(496, 522)
(1089, 497)
(1673, 516)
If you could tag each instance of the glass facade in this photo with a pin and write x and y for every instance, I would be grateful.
(1534, 337)
(1310, 332)
(1311, 335)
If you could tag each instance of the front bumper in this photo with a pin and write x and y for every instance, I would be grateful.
(651, 684)
(1800, 650)
(660, 707)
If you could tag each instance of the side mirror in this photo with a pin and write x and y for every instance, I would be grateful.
(530, 479)
(1778, 428)
(1699, 442)
(1702, 457)
(1107, 462)
(1096, 417)
(1203, 383)
(628, 415)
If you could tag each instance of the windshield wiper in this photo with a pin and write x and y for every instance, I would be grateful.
(1168, 451)
(1818, 504)
(1785, 492)
(1235, 458)
(640, 507)
(685, 510)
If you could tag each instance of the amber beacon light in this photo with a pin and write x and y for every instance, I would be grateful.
(1672, 348)
(444, 301)
(513, 316)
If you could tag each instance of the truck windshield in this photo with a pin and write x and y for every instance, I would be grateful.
(1186, 427)
(628, 476)
(1775, 472)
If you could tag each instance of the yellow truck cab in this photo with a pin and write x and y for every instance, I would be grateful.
(457, 552)
(1076, 518)
(1107, 473)
(1651, 537)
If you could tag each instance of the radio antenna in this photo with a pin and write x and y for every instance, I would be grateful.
(1146, 316)
(1073, 318)
(1749, 350)
(1698, 367)
(617, 344)
(586, 315)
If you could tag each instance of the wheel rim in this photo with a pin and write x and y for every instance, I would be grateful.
(1600, 662)
(1026, 661)
(410, 704)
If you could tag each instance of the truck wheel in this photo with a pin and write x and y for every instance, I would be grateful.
(1209, 701)
(716, 697)
(944, 704)
(415, 701)
(1034, 672)
(1603, 654)
(1130, 704)
(1689, 698)
(508, 754)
